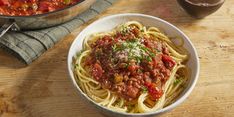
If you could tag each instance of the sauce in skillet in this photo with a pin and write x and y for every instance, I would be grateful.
(32, 7)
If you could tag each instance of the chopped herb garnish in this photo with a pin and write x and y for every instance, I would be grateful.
(148, 58)
(114, 47)
(139, 58)
(144, 89)
(177, 81)
(145, 49)
(135, 49)
(126, 65)
(152, 54)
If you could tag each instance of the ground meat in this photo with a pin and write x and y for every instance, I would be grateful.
(127, 76)
(132, 91)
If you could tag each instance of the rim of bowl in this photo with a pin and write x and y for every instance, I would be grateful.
(165, 109)
(207, 5)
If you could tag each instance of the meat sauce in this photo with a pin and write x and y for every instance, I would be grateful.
(129, 64)
(32, 7)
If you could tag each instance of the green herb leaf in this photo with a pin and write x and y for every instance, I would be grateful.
(144, 89)
(138, 58)
(177, 81)
(152, 54)
(148, 58)
(126, 65)
(114, 47)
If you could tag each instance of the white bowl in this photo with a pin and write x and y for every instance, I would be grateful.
(108, 23)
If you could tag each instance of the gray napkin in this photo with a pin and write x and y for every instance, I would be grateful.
(29, 45)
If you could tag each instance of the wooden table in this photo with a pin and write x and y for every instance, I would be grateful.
(43, 88)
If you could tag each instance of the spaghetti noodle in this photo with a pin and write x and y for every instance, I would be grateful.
(132, 68)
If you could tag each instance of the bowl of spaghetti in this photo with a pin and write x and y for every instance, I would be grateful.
(133, 65)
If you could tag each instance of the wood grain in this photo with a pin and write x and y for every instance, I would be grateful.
(44, 90)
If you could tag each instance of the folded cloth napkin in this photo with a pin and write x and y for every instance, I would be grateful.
(29, 45)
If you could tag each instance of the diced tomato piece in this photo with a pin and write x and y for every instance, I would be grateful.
(51, 8)
(32, 1)
(44, 6)
(135, 31)
(148, 43)
(118, 36)
(168, 61)
(107, 38)
(89, 61)
(165, 51)
(133, 68)
(1, 10)
(99, 42)
(17, 4)
(154, 92)
(4, 2)
(97, 71)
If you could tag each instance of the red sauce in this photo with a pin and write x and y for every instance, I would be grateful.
(130, 64)
(32, 7)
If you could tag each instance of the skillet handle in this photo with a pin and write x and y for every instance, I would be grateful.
(7, 26)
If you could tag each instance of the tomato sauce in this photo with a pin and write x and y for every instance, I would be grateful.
(32, 7)
(130, 64)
